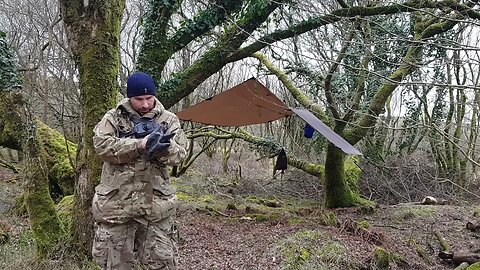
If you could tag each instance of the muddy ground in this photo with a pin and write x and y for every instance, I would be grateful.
(227, 225)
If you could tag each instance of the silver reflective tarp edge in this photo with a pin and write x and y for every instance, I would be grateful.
(326, 131)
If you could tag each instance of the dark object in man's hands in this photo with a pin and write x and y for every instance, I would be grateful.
(158, 141)
(144, 127)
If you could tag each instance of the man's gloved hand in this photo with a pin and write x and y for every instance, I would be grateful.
(157, 141)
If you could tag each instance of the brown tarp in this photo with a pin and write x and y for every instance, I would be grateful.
(245, 104)
(251, 103)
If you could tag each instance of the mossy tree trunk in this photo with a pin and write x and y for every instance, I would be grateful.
(338, 192)
(424, 28)
(20, 129)
(57, 152)
(46, 226)
(158, 46)
(43, 218)
(93, 30)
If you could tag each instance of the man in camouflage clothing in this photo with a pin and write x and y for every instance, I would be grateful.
(135, 203)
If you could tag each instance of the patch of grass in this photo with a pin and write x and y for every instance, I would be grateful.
(329, 219)
(184, 196)
(253, 199)
(333, 252)
(208, 198)
(414, 212)
(366, 209)
(364, 224)
(476, 212)
(420, 251)
(383, 258)
(475, 266)
(311, 249)
(185, 189)
(295, 220)
(18, 253)
(297, 249)
(20, 208)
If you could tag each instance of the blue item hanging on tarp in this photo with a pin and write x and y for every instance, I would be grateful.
(308, 131)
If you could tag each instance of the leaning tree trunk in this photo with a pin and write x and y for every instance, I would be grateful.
(57, 152)
(19, 130)
(93, 29)
(46, 227)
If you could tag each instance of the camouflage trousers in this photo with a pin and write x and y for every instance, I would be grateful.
(143, 244)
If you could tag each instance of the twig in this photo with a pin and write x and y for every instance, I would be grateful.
(208, 208)
(8, 165)
(462, 188)
(390, 226)
(214, 187)
(441, 239)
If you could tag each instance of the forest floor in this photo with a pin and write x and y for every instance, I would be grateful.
(258, 224)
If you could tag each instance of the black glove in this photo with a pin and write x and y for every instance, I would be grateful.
(157, 141)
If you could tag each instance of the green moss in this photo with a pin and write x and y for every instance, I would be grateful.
(208, 198)
(231, 206)
(185, 189)
(332, 251)
(315, 169)
(251, 199)
(329, 219)
(297, 249)
(184, 196)
(270, 202)
(413, 212)
(304, 254)
(383, 258)
(364, 224)
(476, 212)
(309, 234)
(295, 220)
(475, 266)
(267, 202)
(58, 157)
(341, 181)
(64, 211)
(20, 206)
(352, 172)
(44, 220)
(311, 249)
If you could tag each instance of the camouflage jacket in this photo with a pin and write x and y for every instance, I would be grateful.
(132, 186)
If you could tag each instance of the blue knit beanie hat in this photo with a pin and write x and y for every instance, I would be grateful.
(139, 84)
